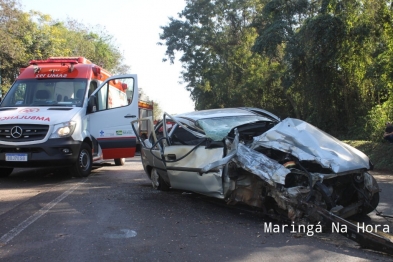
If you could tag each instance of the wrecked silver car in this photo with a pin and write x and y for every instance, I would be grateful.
(250, 156)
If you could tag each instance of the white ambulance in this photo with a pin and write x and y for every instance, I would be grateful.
(67, 111)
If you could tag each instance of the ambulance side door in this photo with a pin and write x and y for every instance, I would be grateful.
(111, 108)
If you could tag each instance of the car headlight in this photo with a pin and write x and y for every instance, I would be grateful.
(63, 129)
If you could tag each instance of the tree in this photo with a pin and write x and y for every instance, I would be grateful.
(215, 39)
(331, 51)
(33, 35)
(13, 23)
(71, 38)
(328, 62)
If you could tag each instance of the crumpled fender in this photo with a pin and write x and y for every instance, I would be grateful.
(266, 168)
(308, 143)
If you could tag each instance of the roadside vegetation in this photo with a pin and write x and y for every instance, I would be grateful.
(328, 62)
(380, 154)
(33, 36)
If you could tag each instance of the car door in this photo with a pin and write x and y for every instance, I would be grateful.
(112, 106)
(185, 156)
(178, 156)
(185, 173)
(152, 148)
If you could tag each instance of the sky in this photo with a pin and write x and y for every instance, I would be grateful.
(135, 26)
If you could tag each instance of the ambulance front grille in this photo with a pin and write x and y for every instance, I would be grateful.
(22, 132)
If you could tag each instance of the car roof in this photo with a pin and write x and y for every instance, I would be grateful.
(225, 112)
(213, 113)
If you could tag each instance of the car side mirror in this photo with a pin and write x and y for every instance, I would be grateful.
(92, 104)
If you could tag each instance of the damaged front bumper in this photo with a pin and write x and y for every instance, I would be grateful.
(296, 162)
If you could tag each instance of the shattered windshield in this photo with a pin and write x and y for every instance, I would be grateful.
(218, 128)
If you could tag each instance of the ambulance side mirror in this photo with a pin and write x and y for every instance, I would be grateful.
(92, 104)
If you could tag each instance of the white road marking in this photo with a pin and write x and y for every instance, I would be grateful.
(30, 220)
(127, 233)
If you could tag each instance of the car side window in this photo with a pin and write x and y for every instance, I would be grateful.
(181, 136)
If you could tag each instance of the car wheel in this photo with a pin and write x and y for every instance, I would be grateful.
(120, 161)
(82, 167)
(5, 171)
(157, 181)
(371, 205)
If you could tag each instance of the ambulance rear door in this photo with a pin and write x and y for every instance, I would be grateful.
(111, 108)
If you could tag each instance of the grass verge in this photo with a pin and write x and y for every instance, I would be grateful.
(380, 154)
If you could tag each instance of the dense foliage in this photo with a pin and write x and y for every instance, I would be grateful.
(328, 62)
(28, 36)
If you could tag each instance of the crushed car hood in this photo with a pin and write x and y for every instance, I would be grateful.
(308, 143)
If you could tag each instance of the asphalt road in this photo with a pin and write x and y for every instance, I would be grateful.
(115, 215)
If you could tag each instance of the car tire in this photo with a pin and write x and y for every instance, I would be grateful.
(5, 171)
(83, 164)
(157, 182)
(120, 161)
(371, 205)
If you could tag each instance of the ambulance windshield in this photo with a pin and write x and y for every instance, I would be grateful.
(46, 92)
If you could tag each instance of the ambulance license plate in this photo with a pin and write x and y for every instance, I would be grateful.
(15, 157)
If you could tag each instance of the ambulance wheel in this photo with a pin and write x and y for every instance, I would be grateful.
(5, 171)
(82, 167)
(120, 161)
